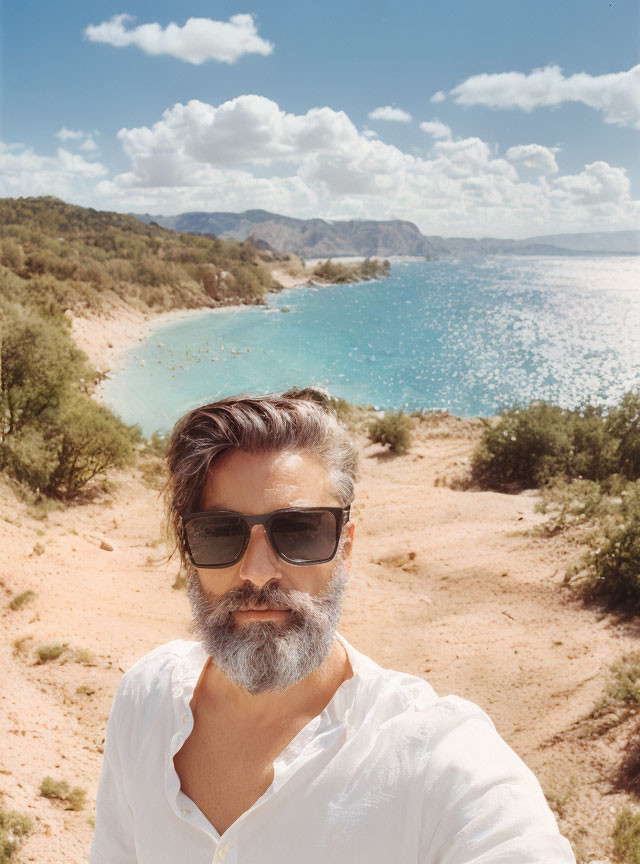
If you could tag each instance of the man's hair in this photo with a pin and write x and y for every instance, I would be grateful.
(298, 420)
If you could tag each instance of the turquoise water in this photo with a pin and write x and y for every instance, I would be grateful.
(467, 336)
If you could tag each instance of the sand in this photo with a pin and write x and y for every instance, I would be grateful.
(107, 338)
(480, 611)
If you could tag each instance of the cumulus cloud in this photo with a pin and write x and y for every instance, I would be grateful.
(533, 156)
(616, 95)
(198, 40)
(65, 134)
(67, 175)
(248, 153)
(89, 145)
(440, 96)
(388, 112)
(436, 129)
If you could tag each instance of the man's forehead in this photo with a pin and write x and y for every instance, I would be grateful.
(247, 482)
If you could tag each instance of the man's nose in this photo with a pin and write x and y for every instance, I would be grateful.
(259, 564)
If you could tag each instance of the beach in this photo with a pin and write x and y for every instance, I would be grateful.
(106, 338)
(454, 586)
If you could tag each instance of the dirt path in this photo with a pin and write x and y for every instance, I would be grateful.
(480, 611)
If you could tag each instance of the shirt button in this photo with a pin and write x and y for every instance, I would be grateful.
(184, 719)
(185, 812)
(222, 853)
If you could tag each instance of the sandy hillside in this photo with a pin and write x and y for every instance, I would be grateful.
(479, 611)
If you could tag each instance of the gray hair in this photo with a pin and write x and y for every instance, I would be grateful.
(298, 420)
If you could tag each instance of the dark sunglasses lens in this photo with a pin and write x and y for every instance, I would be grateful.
(305, 536)
(215, 540)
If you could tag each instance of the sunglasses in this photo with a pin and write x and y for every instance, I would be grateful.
(305, 535)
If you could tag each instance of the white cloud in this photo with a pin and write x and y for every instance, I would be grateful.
(197, 41)
(65, 134)
(436, 129)
(387, 112)
(616, 94)
(533, 156)
(67, 175)
(249, 153)
(89, 145)
(440, 96)
(369, 133)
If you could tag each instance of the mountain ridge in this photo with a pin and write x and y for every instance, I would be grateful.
(324, 238)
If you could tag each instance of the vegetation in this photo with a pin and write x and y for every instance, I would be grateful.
(626, 837)
(20, 600)
(61, 256)
(59, 789)
(336, 272)
(54, 437)
(611, 567)
(527, 447)
(13, 827)
(622, 693)
(587, 464)
(49, 651)
(393, 431)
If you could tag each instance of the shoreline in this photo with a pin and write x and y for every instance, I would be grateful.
(107, 339)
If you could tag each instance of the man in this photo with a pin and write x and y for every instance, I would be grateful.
(273, 739)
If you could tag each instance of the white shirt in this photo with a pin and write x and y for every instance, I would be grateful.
(387, 773)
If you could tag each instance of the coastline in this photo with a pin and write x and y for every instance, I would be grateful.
(106, 339)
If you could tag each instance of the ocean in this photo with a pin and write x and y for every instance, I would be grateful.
(467, 336)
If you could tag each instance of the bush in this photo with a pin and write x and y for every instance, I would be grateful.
(38, 361)
(527, 447)
(626, 837)
(85, 441)
(60, 789)
(523, 449)
(392, 430)
(49, 651)
(573, 503)
(13, 827)
(68, 448)
(20, 600)
(613, 565)
(623, 424)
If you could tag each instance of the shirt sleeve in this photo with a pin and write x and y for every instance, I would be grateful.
(113, 839)
(493, 809)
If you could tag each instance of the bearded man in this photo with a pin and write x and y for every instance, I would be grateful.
(273, 739)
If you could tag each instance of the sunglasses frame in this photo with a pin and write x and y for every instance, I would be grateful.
(341, 515)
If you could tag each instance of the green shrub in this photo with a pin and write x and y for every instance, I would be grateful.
(523, 448)
(392, 430)
(49, 651)
(21, 600)
(527, 447)
(13, 827)
(613, 563)
(626, 837)
(623, 424)
(577, 502)
(68, 448)
(86, 440)
(59, 789)
(38, 362)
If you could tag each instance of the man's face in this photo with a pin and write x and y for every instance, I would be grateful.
(266, 623)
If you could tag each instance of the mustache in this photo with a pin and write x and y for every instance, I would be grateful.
(269, 596)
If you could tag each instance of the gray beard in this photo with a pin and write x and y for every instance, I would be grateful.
(265, 655)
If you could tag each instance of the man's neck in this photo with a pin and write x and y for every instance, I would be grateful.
(308, 698)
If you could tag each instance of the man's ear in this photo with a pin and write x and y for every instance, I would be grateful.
(348, 545)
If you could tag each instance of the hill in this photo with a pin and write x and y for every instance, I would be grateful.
(83, 259)
(319, 238)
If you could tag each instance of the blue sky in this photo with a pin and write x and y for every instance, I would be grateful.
(502, 117)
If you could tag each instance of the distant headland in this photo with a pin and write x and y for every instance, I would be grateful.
(320, 238)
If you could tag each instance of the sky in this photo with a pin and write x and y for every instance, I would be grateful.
(501, 118)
